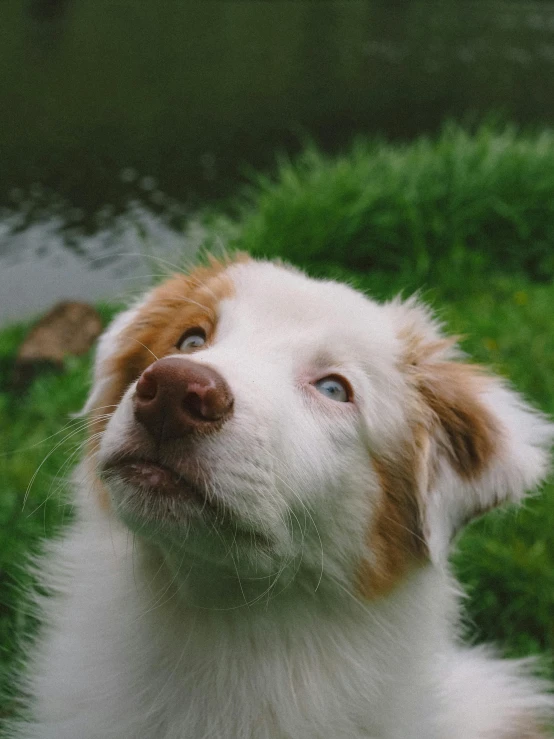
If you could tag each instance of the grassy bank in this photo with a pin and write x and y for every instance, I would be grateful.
(422, 211)
(464, 218)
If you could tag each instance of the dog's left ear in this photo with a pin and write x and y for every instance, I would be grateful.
(484, 444)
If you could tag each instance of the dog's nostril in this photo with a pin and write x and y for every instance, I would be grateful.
(147, 386)
(193, 402)
(207, 403)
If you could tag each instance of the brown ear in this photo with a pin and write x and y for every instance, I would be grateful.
(463, 427)
(452, 429)
(486, 444)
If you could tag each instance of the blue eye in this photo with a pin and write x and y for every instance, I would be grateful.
(334, 388)
(193, 339)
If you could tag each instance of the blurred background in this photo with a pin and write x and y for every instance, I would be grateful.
(400, 144)
(119, 119)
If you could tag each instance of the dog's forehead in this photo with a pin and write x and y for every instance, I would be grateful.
(272, 301)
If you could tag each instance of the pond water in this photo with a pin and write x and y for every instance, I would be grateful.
(40, 266)
(106, 104)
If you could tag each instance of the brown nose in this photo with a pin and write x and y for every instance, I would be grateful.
(175, 397)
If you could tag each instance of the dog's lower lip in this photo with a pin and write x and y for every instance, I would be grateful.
(155, 478)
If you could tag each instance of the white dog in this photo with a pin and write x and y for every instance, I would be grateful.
(276, 468)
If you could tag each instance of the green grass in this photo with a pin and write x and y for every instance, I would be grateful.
(466, 219)
(36, 435)
(506, 560)
(458, 201)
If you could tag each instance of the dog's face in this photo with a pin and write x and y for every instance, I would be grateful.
(260, 420)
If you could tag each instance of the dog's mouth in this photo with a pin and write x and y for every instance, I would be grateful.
(165, 493)
(153, 478)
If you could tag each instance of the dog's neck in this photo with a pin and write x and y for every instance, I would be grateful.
(291, 644)
(229, 585)
(302, 662)
(288, 599)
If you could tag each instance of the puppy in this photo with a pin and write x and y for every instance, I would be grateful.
(276, 468)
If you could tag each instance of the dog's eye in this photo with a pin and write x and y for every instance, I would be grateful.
(192, 339)
(334, 388)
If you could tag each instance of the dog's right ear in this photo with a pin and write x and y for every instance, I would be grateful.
(485, 445)
(103, 378)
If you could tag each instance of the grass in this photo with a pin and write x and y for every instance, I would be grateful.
(452, 217)
(461, 200)
(506, 560)
(36, 434)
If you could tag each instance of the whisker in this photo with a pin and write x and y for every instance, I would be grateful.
(142, 255)
(57, 446)
(59, 478)
(144, 345)
(72, 421)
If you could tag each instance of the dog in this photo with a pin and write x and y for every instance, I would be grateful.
(276, 468)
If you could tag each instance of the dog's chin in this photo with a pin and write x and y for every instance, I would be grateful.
(160, 502)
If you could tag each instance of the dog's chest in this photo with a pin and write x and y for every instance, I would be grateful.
(128, 672)
(124, 661)
(226, 688)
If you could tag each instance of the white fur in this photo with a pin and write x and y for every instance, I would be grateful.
(158, 631)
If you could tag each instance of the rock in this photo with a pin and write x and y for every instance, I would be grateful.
(69, 329)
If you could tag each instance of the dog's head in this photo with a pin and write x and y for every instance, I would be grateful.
(257, 418)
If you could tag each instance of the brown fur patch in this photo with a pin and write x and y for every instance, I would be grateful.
(451, 391)
(395, 537)
(470, 434)
(181, 302)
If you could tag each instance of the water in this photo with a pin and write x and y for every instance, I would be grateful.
(105, 105)
(38, 269)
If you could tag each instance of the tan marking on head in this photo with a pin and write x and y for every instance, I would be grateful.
(395, 538)
(468, 433)
(419, 348)
(181, 302)
(451, 391)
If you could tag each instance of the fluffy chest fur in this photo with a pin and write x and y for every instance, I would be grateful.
(276, 468)
(308, 667)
